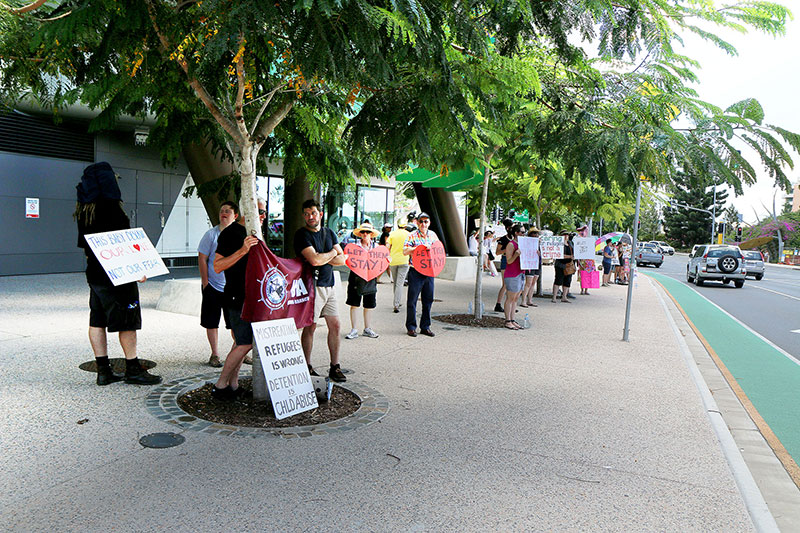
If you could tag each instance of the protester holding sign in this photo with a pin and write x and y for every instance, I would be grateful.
(531, 274)
(565, 268)
(419, 282)
(513, 276)
(586, 267)
(358, 287)
(502, 243)
(233, 248)
(213, 284)
(318, 246)
(111, 308)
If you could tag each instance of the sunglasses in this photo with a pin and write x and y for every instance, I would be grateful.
(262, 212)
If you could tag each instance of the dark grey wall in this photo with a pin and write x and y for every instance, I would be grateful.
(49, 244)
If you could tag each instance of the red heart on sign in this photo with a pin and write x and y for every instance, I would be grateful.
(367, 264)
(429, 262)
(137, 247)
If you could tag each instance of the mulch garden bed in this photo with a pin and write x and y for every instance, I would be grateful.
(469, 320)
(246, 412)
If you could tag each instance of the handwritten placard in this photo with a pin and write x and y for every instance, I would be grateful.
(584, 247)
(529, 250)
(552, 247)
(288, 381)
(367, 264)
(126, 255)
(429, 261)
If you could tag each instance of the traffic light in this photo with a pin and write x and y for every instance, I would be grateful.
(720, 227)
(739, 233)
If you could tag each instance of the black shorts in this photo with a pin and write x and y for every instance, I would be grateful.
(354, 297)
(561, 279)
(115, 308)
(211, 308)
(242, 330)
(606, 267)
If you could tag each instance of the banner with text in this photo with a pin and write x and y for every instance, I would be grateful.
(584, 247)
(126, 255)
(529, 248)
(288, 381)
(552, 247)
(275, 288)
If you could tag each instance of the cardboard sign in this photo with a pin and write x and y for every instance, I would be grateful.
(288, 381)
(429, 262)
(126, 255)
(552, 247)
(529, 248)
(367, 264)
(584, 247)
(31, 208)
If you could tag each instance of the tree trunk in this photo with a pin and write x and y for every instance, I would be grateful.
(477, 312)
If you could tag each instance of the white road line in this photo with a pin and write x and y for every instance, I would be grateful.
(796, 331)
(776, 292)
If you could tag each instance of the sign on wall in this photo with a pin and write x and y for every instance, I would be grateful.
(288, 381)
(552, 247)
(529, 250)
(126, 255)
(31, 208)
(584, 247)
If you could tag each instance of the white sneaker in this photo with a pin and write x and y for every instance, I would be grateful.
(369, 333)
(352, 335)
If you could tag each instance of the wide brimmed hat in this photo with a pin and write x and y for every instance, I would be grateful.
(366, 227)
(566, 232)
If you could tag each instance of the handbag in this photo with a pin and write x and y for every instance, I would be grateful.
(569, 268)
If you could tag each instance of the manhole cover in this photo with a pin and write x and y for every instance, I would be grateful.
(162, 440)
(117, 364)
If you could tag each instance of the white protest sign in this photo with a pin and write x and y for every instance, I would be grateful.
(529, 250)
(584, 247)
(552, 247)
(499, 231)
(288, 381)
(31, 208)
(126, 255)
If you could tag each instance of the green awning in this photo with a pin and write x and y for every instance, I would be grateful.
(452, 181)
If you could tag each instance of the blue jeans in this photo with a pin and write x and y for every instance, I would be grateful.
(419, 283)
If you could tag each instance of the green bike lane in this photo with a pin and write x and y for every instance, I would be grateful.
(769, 379)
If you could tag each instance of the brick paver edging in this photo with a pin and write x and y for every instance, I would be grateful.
(162, 402)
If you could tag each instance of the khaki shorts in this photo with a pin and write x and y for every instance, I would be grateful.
(325, 303)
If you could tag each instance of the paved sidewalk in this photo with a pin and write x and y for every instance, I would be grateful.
(562, 427)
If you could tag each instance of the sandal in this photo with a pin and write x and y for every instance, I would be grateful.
(510, 324)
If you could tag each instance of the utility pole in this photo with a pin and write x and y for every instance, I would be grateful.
(626, 329)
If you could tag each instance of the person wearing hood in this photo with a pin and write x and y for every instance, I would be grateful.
(112, 309)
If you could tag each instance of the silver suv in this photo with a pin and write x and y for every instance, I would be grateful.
(754, 262)
(717, 262)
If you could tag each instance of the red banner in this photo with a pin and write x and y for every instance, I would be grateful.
(367, 264)
(429, 262)
(277, 288)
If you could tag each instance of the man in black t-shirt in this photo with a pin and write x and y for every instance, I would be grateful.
(111, 308)
(233, 246)
(318, 246)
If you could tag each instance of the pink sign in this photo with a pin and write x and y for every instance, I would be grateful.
(429, 261)
(367, 264)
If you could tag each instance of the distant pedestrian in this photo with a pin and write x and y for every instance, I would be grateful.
(502, 243)
(608, 257)
(383, 240)
(488, 256)
(531, 277)
(419, 283)
(564, 268)
(472, 243)
(514, 277)
(213, 284)
(398, 264)
(358, 287)
(112, 309)
(586, 267)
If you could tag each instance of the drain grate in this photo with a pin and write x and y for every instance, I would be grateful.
(162, 440)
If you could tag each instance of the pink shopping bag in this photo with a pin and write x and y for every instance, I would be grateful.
(590, 280)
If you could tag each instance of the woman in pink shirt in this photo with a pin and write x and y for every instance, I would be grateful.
(514, 276)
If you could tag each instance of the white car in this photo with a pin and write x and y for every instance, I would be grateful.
(666, 248)
(716, 262)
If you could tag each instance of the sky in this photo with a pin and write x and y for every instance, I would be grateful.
(767, 69)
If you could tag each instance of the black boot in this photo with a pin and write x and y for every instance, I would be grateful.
(136, 375)
(107, 376)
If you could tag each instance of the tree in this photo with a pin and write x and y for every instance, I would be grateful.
(687, 227)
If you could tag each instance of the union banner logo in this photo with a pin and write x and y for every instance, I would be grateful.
(273, 289)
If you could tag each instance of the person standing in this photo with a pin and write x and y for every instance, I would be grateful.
(213, 284)
(488, 256)
(472, 243)
(419, 283)
(608, 257)
(502, 243)
(531, 276)
(112, 309)
(563, 280)
(233, 248)
(358, 287)
(398, 264)
(513, 276)
(383, 240)
(317, 245)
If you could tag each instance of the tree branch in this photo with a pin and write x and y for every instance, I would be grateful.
(272, 121)
(268, 97)
(30, 7)
(195, 84)
(238, 114)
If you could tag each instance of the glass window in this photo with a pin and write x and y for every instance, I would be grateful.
(339, 210)
(372, 205)
(271, 189)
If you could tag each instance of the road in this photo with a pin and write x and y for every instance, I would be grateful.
(771, 307)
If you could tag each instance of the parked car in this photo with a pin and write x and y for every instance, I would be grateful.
(666, 248)
(717, 262)
(649, 254)
(754, 262)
